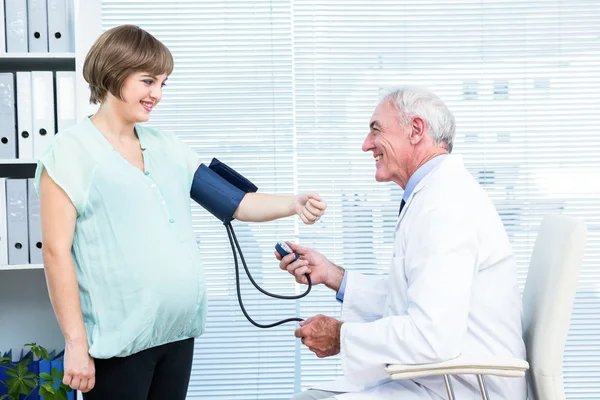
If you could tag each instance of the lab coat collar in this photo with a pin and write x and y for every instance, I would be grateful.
(451, 160)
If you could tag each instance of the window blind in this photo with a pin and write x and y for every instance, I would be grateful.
(283, 92)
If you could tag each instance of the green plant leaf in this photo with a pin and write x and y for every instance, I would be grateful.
(62, 393)
(45, 354)
(23, 388)
(43, 391)
(5, 360)
(4, 396)
(22, 368)
(31, 383)
(11, 372)
(46, 376)
(55, 373)
(48, 388)
(13, 386)
(39, 351)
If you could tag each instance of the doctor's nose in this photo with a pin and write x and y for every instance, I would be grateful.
(368, 144)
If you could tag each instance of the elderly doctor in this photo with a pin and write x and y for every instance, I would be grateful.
(452, 282)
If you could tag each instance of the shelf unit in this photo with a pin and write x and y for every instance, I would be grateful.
(17, 161)
(88, 26)
(33, 56)
(25, 168)
(10, 62)
(20, 267)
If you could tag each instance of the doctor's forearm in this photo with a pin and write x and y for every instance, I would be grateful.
(262, 207)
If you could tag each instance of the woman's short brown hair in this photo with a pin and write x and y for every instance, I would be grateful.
(119, 52)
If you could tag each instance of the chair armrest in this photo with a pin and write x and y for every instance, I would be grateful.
(462, 365)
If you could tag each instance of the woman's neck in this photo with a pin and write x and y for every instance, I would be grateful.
(111, 124)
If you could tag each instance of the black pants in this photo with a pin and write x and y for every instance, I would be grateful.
(158, 373)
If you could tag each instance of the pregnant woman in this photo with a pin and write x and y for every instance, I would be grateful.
(120, 257)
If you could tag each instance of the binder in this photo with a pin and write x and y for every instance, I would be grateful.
(34, 224)
(3, 228)
(24, 116)
(42, 94)
(2, 29)
(60, 26)
(8, 135)
(37, 18)
(16, 208)
(65, 99)
(16, 26)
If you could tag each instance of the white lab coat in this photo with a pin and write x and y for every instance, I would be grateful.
(451, 290)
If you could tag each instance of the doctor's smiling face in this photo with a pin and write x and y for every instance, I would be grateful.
(393, 142)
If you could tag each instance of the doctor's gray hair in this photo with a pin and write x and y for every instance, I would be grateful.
(418, 102)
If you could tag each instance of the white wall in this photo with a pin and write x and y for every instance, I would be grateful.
(26, 314)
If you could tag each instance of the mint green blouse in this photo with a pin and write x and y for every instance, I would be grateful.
(140, 279)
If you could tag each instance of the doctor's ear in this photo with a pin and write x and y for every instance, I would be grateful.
(417, 128)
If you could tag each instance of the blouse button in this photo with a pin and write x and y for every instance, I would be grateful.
(147, 173)
(171, 220)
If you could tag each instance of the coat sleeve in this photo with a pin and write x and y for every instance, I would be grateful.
(440, 265)
(364, 298)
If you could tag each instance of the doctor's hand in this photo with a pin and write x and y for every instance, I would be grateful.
(310, 262)
(309, 207)
(80, 372)
(321, 334)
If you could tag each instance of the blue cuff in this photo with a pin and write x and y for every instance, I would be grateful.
(340, 293)
(215, 194)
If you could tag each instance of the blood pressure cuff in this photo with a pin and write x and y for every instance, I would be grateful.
(220, 189)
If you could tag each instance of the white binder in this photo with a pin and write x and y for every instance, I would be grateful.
(18, 240)
(34, 224)
(3, 229)
(8, 133)
(16, 26)
(24, 115)
(42, 92)
(60, 26)
(65, 99)
(37, 18)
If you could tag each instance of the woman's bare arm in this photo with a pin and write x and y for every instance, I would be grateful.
(58, 215)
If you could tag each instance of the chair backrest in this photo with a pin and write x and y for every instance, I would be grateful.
(548, 301)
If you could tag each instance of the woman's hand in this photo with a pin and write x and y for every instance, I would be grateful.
(80, 372)
(309, 207)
